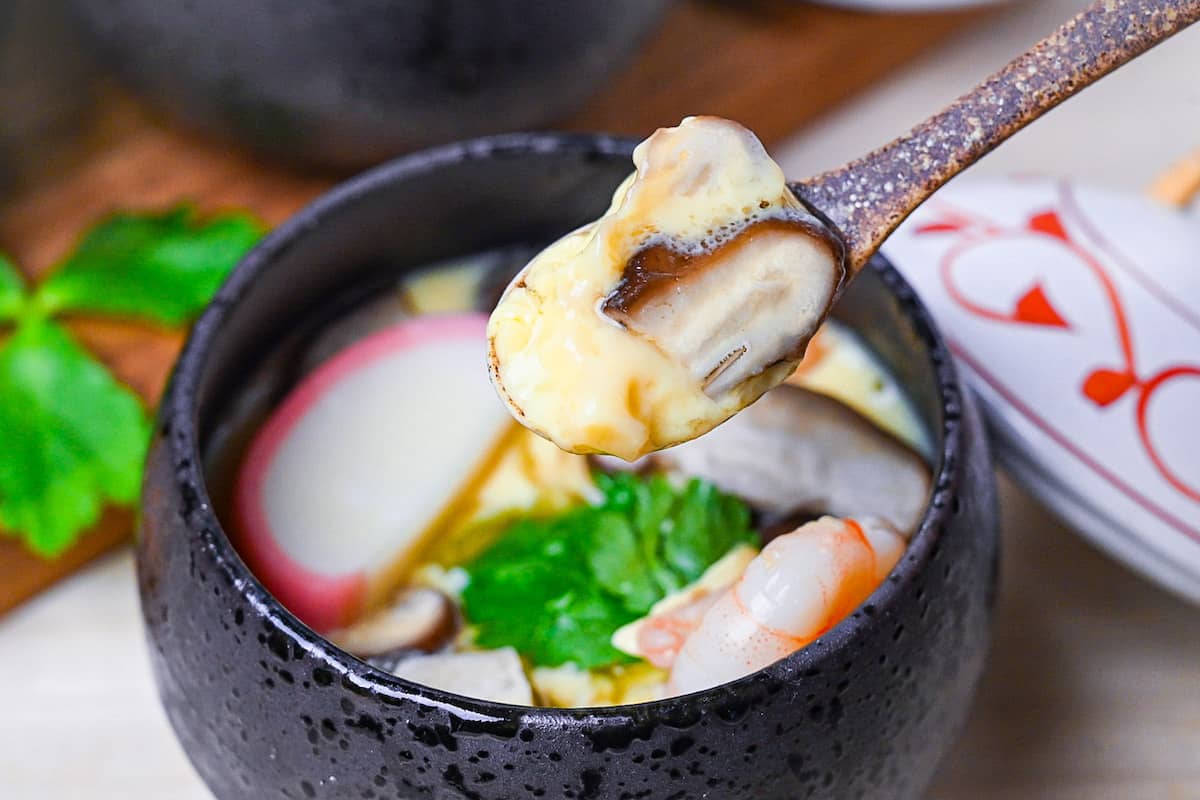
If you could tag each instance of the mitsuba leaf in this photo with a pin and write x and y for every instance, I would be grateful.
(557, 589)
(619, 562)
(73, 437)
(158, 267)
(531, 590)
(579, 629)
(648, 503)
(12, 290)
(707, 524)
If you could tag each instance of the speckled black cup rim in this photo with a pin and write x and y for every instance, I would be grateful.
(179, 417)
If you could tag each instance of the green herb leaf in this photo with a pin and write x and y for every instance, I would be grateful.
(619, 563)
(650, 504)
(706, 525)
(557, 589)
(72, 437)
(12, 290)
(160, 267)
(532, 590)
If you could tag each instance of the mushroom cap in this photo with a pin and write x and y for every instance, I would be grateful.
(418, 620)
(800, 451)
(691, 296)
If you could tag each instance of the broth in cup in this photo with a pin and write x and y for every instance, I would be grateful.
(380, 490)
(266, 706)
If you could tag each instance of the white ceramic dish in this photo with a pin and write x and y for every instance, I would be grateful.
(1075, 315)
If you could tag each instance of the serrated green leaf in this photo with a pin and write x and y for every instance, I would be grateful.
(73, 438)
(159, 267)
(618, 560)
(531, 590)
(12, 290)
(654, 503)
(706, 524)
(579, 630)
(557, 589)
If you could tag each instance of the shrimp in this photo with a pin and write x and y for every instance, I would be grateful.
(658, 636)
(662, 636)
(801, 585)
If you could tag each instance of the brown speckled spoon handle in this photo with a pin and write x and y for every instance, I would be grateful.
(866, 199)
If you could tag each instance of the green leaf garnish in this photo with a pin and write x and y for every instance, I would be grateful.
(73, 437)
(618, 560)
(12, 290)
(532, 589)
(160, 267)
(557, 589)
(708, 524)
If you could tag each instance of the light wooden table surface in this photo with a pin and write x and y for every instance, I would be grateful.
(1093, 689)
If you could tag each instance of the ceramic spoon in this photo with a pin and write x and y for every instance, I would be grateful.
(866, 199)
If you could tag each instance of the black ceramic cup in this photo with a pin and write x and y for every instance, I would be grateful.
(266, 708)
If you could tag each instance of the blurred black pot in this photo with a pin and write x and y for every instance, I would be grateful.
(47, 91)
(346, 83)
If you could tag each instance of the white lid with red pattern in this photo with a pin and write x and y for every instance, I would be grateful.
(1074, 313)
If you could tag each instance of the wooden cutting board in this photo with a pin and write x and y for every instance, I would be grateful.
(771, 64)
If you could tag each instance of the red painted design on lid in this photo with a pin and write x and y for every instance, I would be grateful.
(1105, 386)
(1049, 223)
(1035, 308)
(939, 227)
(1102, 386)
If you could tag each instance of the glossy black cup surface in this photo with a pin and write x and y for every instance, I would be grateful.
(265, 708)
